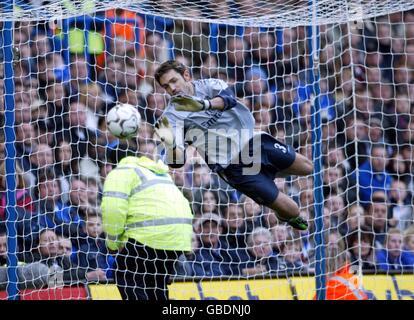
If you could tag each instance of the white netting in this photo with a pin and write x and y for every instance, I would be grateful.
(264, 13)
(69, 73)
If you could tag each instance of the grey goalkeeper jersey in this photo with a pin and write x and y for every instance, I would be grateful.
(217, 135)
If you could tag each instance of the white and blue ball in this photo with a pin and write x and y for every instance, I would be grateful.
(123, 121)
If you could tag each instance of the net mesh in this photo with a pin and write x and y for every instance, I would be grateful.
(69, 70)
(265, 13)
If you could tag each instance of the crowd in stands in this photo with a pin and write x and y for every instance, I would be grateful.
(64, 152)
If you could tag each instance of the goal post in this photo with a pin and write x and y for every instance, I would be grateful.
(7, 36)
(334, 79)
(314, 47)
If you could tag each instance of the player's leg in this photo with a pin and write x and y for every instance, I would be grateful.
(288, 211)
(301, 166)
(284, 158)
(262, 189)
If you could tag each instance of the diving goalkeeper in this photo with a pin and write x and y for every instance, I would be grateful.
(206, 114)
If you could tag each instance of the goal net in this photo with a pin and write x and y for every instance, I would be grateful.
(75, 60)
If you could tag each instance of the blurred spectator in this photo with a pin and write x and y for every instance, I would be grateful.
(25, 140)
(65, 167)
(355, 141)
(335, 157)
(209, 66)
(94, 191)
(376, 133)
(38, 108)
(335, 204)
(400, 213)
(328, 108)
(112, 80)
(255, 85)
(361, 249)
(183, 266)
(79, 73)
(147, 149)
(292, 255)
(289, 55)
(264, 113)
(66, 248)
(353, 221)
(401, 117)
(47, 252)
(78, 198)
(41, 159)
(179, 177)
(234, 235)
(407, 136)
(373, 175)
(409, 239)
(30, 276)
(40, 46)
(211, 259)
(236, 60)
(133, 97)
(154, 108)
(376, 220)
(398, 167)
(133, 75)
(264, 56)
(57, 106)
(23, 198)
(76, 130)
(56, 69)
(156, 51)
(202, 178)
(306, 199)
(93, 254)
(190, 37)
(22, 112)
(207, 201)
(262, 259)
(333, 180)
(280, 235)
(287, 99)
(254, 214)
(52, 213)
(393, 256)
(91, 95)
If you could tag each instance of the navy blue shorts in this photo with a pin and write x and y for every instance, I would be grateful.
(275, 157)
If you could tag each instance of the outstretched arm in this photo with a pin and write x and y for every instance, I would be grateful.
(225, 100)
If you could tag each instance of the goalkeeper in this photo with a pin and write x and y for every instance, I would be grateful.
(205, 114)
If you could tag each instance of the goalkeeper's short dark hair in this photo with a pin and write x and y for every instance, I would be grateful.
(167, 66)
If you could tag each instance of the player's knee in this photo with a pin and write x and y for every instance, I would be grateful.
(308, 166)
(303, 166)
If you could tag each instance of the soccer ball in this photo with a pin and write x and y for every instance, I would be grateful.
(123, 121)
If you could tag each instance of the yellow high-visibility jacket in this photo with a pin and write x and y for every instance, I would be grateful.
(141, 201)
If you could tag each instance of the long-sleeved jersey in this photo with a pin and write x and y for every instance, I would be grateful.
(218, 136)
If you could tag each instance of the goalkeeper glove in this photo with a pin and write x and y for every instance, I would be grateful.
(165, 133)
(189, 103)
